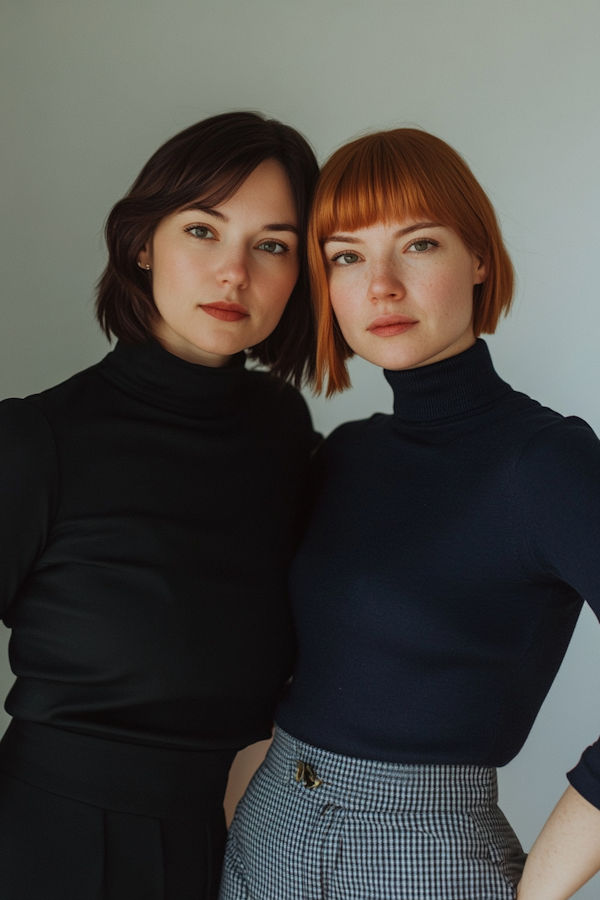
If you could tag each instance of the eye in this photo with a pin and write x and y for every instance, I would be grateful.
(422, 245)
(201, 232)
(345, 258)
(275, 247)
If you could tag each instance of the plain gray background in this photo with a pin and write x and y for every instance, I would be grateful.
(89, 89)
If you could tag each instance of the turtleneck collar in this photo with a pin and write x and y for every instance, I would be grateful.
(152, 374)
(451, 387)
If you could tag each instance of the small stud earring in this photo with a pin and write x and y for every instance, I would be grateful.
(143, 267)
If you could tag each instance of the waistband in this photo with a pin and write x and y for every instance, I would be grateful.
(130, 778)
(371, 785)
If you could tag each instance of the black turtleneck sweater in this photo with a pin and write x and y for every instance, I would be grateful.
(149, 509)
(442, 575)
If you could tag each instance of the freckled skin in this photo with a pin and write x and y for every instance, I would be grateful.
(426, 275)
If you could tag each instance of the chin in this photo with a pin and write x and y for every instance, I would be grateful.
(220, 351)
(395, 360)
(225, 347)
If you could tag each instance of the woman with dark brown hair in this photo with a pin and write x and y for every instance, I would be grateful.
(149, 507)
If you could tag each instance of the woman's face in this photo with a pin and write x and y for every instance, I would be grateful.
(221, 277)
(403, 292)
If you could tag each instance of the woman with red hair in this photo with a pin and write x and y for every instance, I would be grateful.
(441, 577)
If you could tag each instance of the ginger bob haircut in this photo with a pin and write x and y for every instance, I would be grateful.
(391, 176)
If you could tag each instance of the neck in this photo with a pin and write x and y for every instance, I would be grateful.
(463, 343)
(173, 343)
(156, 376)
(453, 386)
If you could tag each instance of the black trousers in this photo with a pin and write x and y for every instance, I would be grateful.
(82, 818)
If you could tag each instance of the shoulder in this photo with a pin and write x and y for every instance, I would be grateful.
(556, 486)
(557, 446)
(22, 420)
(26, 438)
(348, 441)
(358, 430)
(60, 406)
(66, 394)
(557, 477)
(42, 417)
(280, 399)
(272, 388)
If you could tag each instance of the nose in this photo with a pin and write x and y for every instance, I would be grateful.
(232, 270)
(386, 283)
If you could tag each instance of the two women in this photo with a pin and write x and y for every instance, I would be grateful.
(442, 573)
(149, 509)
(151, 504)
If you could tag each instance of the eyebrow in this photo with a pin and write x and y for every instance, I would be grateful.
(282, 226)
(274, 226)
(348, 239)
(206, 210)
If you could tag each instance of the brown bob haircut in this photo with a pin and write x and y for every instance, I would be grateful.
(389, 176)
(208, 161)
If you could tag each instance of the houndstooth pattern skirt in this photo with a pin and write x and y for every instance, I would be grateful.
(314, 825)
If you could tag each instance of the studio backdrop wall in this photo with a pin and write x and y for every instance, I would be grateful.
(89, 89)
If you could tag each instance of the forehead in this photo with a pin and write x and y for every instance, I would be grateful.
(266, 190)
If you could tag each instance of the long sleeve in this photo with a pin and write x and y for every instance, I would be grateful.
(558, 481)
(150, 508)
(28, 486)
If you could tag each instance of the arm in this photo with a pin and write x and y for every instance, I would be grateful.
(559, 488)
(567, 852)
(28, 483)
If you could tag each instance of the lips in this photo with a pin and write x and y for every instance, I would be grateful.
(226, 312)
(387, 326)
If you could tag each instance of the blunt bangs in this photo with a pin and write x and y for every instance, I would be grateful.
(370, 186)
(387, 177)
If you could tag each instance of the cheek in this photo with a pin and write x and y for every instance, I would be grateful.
(178, 268)
(168, 275)
(451, 295)
(345, 304)
(274, 288)
(177, 284)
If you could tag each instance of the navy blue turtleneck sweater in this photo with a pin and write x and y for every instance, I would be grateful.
(149, 510)
(438, 585)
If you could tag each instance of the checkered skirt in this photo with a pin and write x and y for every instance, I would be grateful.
(314, 825)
